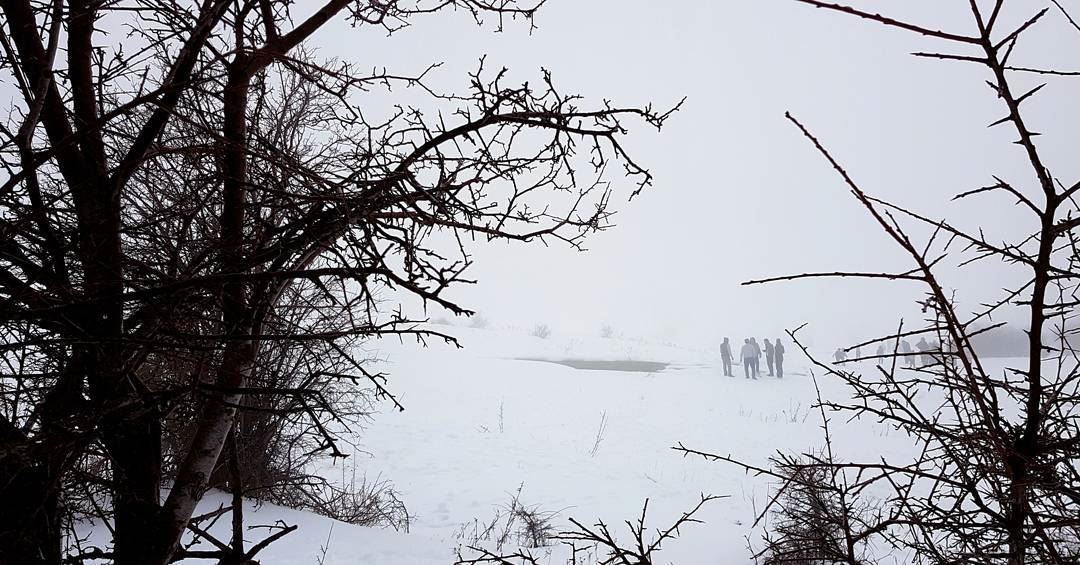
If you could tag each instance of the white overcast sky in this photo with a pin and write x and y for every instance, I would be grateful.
(739, 194)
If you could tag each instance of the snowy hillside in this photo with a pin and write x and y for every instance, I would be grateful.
(498, 414)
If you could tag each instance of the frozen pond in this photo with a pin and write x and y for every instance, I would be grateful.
(600, 365)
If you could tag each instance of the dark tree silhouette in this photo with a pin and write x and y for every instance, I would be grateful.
(197, 220)
(996, 478)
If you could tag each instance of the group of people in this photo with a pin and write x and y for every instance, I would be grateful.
(750, 356)
(923, 354)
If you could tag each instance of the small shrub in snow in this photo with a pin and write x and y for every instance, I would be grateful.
(814, 516)
(541, 331)
(534, 527)
(357, 501)
(478, 322)
(513, 524)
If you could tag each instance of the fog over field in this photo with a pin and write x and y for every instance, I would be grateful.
(539, 282)
(740, 194)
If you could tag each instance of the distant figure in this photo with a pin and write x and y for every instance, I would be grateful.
(905, 348)
(746, 354)
(725, 357)
(778, 358)
(757, 357)
(881, 350)
(858, 353)
(840, 355)
(935, 353)
(924, 349)
(769, 353)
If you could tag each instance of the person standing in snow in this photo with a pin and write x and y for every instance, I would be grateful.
(905, 348)
(923, 348)
(840, 356)
(757, 357)
(725, 357)
(747, 355)
(769, 356)
(778, 358)
(935, 353)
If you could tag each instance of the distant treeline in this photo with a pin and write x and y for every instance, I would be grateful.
(1006, 341)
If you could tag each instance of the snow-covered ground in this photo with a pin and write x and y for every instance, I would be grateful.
(484, 420)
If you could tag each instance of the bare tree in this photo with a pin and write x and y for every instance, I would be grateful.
(195, 225)
(995, 478)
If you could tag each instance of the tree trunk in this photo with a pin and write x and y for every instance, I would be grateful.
(238, 359)
(30, 523)
(130, 428)
(30, 520)
(134, 443)
(1016, 509)
(194, 474)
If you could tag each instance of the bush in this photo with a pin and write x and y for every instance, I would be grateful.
(358, 502)
(541, 331)
(813, 516)
(524, 526)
